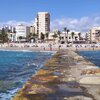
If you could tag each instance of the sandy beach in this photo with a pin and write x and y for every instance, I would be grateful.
(48, 47)
(29, 47)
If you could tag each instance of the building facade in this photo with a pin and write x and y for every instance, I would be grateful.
(71, 37)
(42, 23)
(93, 35)
(11, 36)
(32, 29)
(9, 28)
(22, 32)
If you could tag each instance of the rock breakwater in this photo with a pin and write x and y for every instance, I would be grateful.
(60, 79)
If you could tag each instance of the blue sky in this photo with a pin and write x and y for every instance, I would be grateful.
(60, 10)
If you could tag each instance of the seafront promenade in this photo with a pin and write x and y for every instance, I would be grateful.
(66, 76)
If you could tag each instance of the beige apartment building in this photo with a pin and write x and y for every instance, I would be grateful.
(42, 23)
(32, 29)
(94, 35)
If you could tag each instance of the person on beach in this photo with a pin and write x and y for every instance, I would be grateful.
(44, 48)
(50, 45)
(59, 47)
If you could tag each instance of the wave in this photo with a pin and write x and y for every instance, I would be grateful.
(92, 56)
(17, 68)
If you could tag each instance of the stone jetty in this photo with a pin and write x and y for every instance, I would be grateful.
(66, 76)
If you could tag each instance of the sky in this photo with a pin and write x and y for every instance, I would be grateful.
(79, 15)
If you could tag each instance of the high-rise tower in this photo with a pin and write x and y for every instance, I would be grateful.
(42, 23)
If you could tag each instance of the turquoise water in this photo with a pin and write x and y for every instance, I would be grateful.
(16, 68)
(93, 56)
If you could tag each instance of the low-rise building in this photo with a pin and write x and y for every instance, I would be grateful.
(70, 37)
(22, 32)
(64, 37)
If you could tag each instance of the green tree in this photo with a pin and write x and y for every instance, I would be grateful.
(42, 36)
(29, 36)
(72, 34)
(47, 35)
(79, 34)
(9, 30)
(55, 36)
(3, 36)
(34, 36)
(66, 31)
(20, 38)
(59, 33)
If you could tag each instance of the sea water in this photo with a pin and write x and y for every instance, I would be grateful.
(16, 68)
(92, 56)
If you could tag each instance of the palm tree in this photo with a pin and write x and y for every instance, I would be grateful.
(59, 33)
(29, 36)
(55, 36)
(9, 30)
(67, 34)
(66, 30)
(72, 34)
(47, 35)
(42, 36)
(20, 38)
(79, 34)
(86, 36)
(3, 36)
(32, 36)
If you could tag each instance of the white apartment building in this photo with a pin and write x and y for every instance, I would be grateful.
(65, 38)
(42, 23)
(35, 25)
(9, 28)
(69, 38)
(22, 31)
(11, 36)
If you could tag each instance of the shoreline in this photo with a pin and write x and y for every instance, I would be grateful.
(25, 50)
(54, 50)
(49, 47)
(65, 71)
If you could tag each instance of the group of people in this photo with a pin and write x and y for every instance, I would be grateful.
(50, 46)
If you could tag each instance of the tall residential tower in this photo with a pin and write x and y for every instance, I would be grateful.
(42, 24)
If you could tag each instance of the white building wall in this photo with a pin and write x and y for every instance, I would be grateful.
(69, 36)
(22, 30)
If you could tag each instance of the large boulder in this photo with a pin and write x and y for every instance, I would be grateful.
(90, 80)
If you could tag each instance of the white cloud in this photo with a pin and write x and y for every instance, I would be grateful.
(14, 23)
(82, 24)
